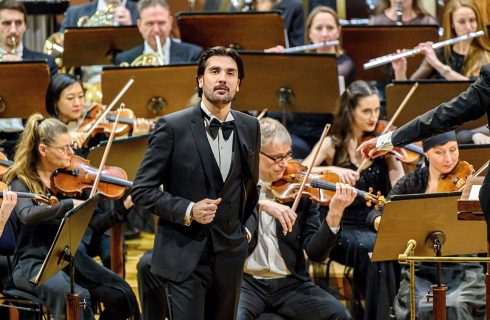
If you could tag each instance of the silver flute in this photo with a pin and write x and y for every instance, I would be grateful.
(312, 46)
(373, 63)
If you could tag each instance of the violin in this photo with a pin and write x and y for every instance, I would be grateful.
(320, 188)
(27, 195)
(456, 179)
(5, 163)
(105, 126)
(80, 176)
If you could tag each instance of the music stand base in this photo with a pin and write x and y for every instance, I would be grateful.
(72, 306)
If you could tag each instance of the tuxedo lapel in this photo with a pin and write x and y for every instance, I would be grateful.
(206, 157)
(241, 132)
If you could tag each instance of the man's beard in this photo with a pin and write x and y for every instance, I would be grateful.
(219, 98)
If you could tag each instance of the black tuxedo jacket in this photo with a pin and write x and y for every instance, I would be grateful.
(180, 52)
(88, 9)
(179, 157)
(311, 234)
(33, 55)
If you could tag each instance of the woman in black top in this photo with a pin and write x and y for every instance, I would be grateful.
(46, 145)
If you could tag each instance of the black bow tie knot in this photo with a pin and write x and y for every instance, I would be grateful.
(227, 128)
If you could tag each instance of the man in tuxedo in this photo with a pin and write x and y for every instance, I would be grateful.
(205, 158)
(12, 29)
(155, 20)
(125, 13)
(275, 278)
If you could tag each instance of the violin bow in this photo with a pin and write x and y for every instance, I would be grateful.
(262, 114)
(109, 108)
(393, 118)
(477, 173)
(308, 171)
(106, 151)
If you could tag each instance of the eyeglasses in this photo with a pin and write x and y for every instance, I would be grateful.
(64, 149)
(278, 159)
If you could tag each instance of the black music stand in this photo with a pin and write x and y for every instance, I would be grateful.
(440, 234)
(363, 43)
(63, 250)
(104, 43)
(31, 78)
(429, 94)
(305, 83)
(206, 29)
(156, 91)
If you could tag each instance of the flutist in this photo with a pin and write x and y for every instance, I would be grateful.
(460, 61)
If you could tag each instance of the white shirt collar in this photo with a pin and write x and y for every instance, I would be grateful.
(18, 51)
(229, 117)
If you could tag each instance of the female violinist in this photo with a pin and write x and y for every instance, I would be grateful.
(463, 280)
(357, 114)
(65, 101)
(45, 145)
(460, 61)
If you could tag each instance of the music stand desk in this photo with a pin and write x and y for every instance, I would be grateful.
(69, 235)
(175, 84)
(429, 94)
(311, 78)
(23, 89)
(98, 45)
(239, 30)
(363, 43)
(416, 217)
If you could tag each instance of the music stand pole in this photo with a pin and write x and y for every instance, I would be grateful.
(436, 240)
(284, 97)
(72, 298)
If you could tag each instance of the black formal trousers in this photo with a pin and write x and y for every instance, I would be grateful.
(151, 288)
(288, 297)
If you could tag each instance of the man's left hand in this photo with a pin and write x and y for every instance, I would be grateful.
(123, 16)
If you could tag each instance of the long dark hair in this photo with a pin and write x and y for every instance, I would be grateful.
(59, 82)
(342, 125)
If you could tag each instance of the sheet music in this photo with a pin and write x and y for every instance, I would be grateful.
(474, 192)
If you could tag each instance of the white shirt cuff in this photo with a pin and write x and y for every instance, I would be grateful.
(383, 143)
(188, 218)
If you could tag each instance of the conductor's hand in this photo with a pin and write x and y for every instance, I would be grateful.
(368, 149)
(204, 211)
(284, 214)
(343, 197)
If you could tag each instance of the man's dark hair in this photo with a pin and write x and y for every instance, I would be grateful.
(218, 51)
(143, 4)
(13, 5)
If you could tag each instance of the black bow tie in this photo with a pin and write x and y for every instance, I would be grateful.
(227, 127)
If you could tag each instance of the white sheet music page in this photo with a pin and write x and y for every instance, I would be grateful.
(474, 192)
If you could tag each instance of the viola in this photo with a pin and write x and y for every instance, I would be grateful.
(5, 163)
(456, 179)
(27, 195)
(105, 126)
(319, 188)
(80, 176)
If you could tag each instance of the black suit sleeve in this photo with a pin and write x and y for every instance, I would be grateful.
(318, 238)
(469, 105)
(152, 173)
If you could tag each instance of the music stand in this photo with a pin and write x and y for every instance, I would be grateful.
(207, 29)
(104, 43)
(156, 90)
(29, 77)
(280, 91)
(363, 43)
(63, 250)
(440, 232)
(429, 94)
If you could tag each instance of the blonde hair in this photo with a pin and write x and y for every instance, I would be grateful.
(38, 130)
(478, 55)
(309, 22)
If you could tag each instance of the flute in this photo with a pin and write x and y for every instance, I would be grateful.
(395, 56)
(312, 46)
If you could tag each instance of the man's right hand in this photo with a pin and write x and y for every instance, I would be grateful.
(284, 214)
(204, 211)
